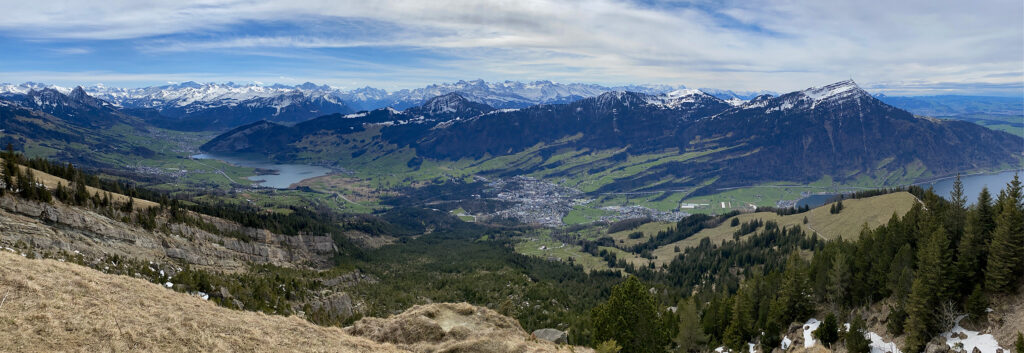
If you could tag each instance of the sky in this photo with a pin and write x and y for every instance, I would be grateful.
(893, 47)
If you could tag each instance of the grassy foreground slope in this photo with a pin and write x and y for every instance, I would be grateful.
(56, 306)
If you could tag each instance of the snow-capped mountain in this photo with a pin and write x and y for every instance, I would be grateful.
(201, 95)
(192, 105)
(726, 95)
(74, 106)
(836, 93)
(449, 106)
(507, 94)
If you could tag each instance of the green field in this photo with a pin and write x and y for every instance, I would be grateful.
(541, 244)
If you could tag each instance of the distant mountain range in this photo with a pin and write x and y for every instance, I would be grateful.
(629, 141)
(212, 106)
(216, 106)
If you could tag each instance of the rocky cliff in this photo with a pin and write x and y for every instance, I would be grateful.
(74, 229)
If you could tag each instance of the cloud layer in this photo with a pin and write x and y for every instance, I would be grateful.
(894, 46)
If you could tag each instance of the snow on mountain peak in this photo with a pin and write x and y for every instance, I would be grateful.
(686, 92)
(841, 88)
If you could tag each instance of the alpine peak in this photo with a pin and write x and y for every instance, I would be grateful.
(843, 88)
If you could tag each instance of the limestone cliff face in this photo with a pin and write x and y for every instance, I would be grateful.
(61, 227)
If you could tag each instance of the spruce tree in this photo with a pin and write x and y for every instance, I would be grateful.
(828, 331)
(690, 337)
(794, 299)
(839, 280)
(855, 339)
(930, 287)
(631, 318)
(977, 305)
(741, 327)
(1005, 258)
(957, 212)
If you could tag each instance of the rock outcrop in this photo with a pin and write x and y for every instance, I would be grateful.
(60, 227)
(451, 327)
(552, 335)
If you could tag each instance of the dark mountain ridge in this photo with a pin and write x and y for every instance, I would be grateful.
(837, 131)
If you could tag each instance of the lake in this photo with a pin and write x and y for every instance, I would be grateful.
(287, 174)
(972, 187)
(973, 184)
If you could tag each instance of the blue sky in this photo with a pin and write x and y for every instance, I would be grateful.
(903, 47)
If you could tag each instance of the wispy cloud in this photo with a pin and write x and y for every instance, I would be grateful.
(747, 45)
(72, 51)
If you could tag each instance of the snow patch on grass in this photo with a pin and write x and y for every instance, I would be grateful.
(879, 345)
(809, 328)
(969, 340)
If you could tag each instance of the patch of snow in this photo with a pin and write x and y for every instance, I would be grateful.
(203, 295)
(835, 89)
(679, 93)
(720, 349)
(751, 346)
(169, 285)
(809, 328)
(879, 345)
(735, 102)
(786, 342)
(986, 343)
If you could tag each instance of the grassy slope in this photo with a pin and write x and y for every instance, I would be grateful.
(553, 248)
(872, 211)
(650, 229)
(56, 306)
(51, 183)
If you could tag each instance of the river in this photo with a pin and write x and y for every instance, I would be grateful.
(286, 174)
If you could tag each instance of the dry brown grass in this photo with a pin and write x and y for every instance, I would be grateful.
(51, 306)
(54, 306)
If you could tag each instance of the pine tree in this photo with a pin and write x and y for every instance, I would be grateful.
(631, 318)
(839, 280)
(901, 274)
(741, 327)
(855, 339)
(977, 305)
(794, 299)
(691, 337)
(930, 285)
(828, 331)
(957, 212)
(1004, 262)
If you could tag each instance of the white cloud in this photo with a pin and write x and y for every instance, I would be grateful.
(762, 44)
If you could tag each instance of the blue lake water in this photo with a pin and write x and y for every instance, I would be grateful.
(972, 187)
(973, 184)
(287, 174)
